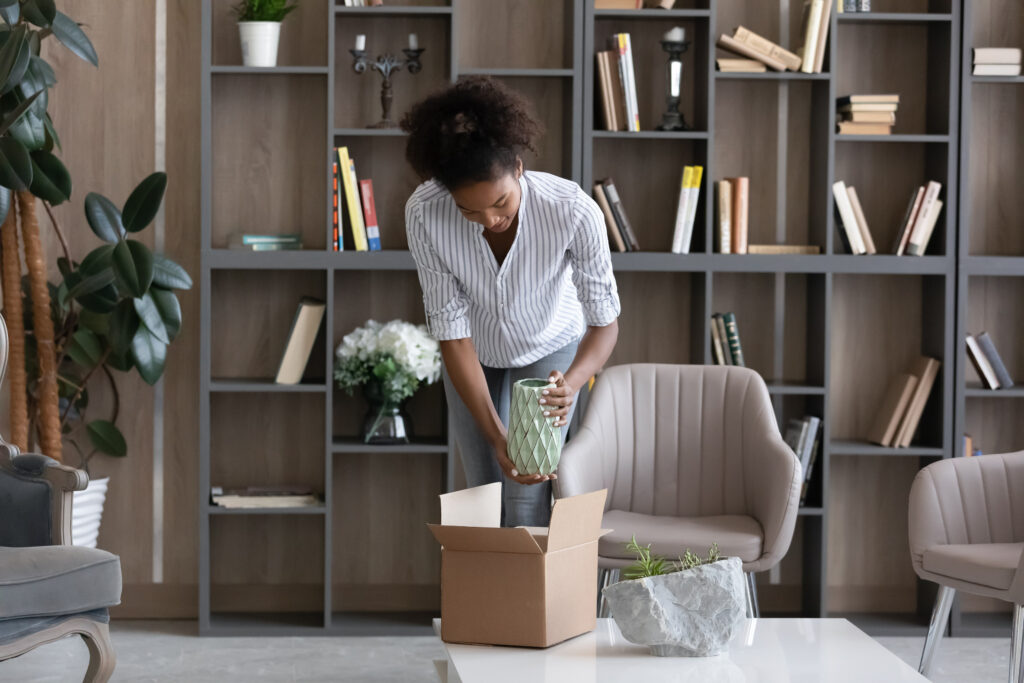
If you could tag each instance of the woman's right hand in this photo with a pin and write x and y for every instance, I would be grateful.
(507, 466)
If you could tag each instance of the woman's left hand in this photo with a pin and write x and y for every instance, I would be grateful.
(558, 400)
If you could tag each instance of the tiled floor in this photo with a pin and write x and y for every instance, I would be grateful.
(169, 651)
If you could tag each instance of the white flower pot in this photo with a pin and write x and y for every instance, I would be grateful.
(259, 42)
(86, 512)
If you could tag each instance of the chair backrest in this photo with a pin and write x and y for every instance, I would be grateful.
(674, 436)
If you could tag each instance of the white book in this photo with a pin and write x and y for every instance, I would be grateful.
(634, 114)
(919, 243)
(678, 233)
(301, 337)
(984, 367)
(997, 69)
(809, 52)
(808, 445)
(997, 55)
(848, 218)
(691, 208)
(931, 194)
(724, 217)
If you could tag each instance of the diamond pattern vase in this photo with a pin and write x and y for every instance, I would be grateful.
(534, 443)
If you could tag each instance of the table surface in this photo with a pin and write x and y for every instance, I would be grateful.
(765, 651)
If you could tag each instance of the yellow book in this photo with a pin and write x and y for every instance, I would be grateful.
(355, 212)
(682, 211)
(691, 206)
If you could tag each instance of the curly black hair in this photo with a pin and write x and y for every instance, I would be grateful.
(472, 131)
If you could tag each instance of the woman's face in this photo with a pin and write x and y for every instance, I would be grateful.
(491, 203)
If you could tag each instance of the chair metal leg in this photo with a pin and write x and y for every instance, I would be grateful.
(753, 610)
(936, 628)
(1016, 644)
(608, 577)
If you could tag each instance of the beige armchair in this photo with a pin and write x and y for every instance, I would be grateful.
(691, 455)
(966, 527)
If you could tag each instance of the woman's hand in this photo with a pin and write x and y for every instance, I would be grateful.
(558, 400)
(501, 453)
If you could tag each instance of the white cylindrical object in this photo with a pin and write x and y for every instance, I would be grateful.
(676, 35)
(259, 42)
(361, 42)
(87, 512)
(414, 43)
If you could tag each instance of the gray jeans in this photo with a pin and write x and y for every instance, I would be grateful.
(522, 504)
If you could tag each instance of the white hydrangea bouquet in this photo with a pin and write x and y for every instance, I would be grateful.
(390, 361)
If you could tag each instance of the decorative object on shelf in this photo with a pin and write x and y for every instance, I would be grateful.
(259, 29)
(385, 65)
(534, 442)
(390, 362)
(675, 44)
(690, 608)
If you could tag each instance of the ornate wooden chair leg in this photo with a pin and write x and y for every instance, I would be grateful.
(102, 659)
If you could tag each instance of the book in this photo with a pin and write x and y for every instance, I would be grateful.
(996, 70)
(370, 214)
(822, 37)
(689, 194)
(847, 219)
(727, 65)
(719, 321)
(868, 106)
(717, 344)
(767, 47)
(724, 216)
(815, 447)
(903, 236)
(862, 223)
(305, 326)
(263, 496)
(967, 447)
(612, 97)
(888, 117)
(813, 424)
(336, 226)
(868, 99)
(926, 369)
(288, 238)
(628, 77)
(740, 213)
(918, 242)
(796, 435)
(981, 364)
(620, 214)
(348, 180)
(614, 237)
(729, 43)
(931, 194)
(995, 360)
(997, 55)
(783, 249)
(892, 409)
(811, 25)
(617, 4)
(732, 335)
(858, 128)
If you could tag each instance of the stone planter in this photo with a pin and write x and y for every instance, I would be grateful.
(534, 443)
(690, 613)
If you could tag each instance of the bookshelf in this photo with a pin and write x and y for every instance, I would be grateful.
(991, 260)
(811, 324)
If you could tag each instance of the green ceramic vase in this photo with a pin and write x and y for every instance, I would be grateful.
(534, 443)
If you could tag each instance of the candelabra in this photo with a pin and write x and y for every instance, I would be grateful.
(385, 65)
(674, 44)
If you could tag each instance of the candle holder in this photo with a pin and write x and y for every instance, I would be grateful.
(673, 119)
(385, 65)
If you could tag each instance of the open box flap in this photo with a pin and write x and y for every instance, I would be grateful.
(485, 540)
(478, 506)
(576, 520)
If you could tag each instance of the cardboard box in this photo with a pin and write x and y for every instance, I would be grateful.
(530, 587)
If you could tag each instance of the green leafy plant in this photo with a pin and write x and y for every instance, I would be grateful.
(647, 564)
(262, 10)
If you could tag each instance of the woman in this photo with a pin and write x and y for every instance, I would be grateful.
(529, 294)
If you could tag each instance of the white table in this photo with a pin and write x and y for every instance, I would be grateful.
(765, 651)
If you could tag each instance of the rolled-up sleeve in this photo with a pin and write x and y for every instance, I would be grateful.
(444, 301)
(592, 264)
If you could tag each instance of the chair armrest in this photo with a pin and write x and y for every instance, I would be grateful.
(773, 479)
(581, 467)
(36, 486)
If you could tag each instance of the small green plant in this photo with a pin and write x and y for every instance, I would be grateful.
(263, 10)
(651, 565)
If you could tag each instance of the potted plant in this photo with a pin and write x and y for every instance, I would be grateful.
(259, 28)
(114, 310)
(689, 608)
(390, 362)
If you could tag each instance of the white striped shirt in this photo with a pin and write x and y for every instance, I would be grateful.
(556, 279)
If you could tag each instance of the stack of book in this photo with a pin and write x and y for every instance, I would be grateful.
(804, 437)
(620, 232)
(745, 42)
(301, 336)
(264, 497)
(733, 214)
(740, 66)
(900, 411)
(355, 211)
(919, 220)
(997, 61)
(686, 211)
(266, 242)
(867, 114)
(617, 85)
(855, 233)
(725, 340)
(987, 362)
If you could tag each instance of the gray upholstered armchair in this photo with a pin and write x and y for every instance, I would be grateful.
(49, 589)
(691, 455)
(966, 527)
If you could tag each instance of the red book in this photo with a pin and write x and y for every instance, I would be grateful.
(334, 201)
(370, 215)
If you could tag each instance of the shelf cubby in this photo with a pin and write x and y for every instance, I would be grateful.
(751, 297)
(670, 327)
(303, 40)
(550, 25)
(802, 337)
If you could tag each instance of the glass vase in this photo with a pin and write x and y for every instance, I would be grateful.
(386, 421)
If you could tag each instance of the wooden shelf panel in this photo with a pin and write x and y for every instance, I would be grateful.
(394, 10)
(995, 265)
(304, 510)
(352, 445)
(772, 76)
(653, 134)
(518, 73)
(844, 447)
(369, 132)
(893, 17)
(897, 137)
(977, 391)
(653, 14)
(998, 79)
(263, 385)
(268, 70)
